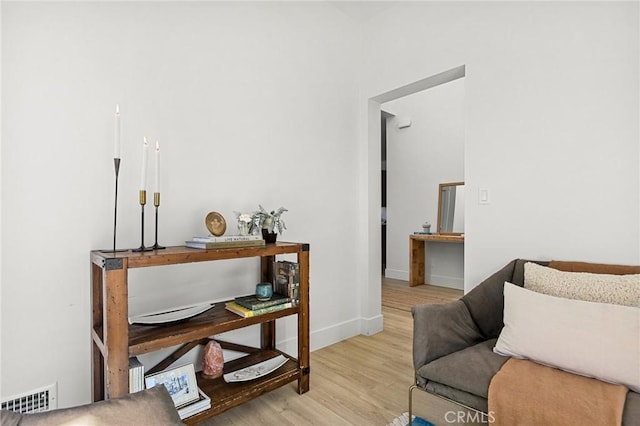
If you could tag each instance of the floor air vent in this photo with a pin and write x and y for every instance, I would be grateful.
(43, 399)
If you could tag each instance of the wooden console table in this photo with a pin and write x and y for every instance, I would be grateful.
(417, 251)
(115, 340)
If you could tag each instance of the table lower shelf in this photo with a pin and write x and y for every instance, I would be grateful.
(225, 396)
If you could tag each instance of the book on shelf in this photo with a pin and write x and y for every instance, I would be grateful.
(136, 375)
(223, 244)
(246, 313)
(286, 279)
(203, 403)
(252, 302)
(226, 238)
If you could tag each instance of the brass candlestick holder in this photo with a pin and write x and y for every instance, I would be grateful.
(143, 201)
(156, 203)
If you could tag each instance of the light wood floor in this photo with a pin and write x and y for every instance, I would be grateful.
(397, 294)
(363, 380)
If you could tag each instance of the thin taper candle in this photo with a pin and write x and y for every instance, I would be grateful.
(116, 142)
(143, 174)
(157, 170)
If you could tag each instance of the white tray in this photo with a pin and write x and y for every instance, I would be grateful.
(171, 316)
(256, 370)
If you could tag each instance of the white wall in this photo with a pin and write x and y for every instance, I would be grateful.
(251, 102)
(551, 94)
(228, 88)
(419, 158)
(1, 186)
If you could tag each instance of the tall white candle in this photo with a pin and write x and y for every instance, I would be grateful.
(157, 171)
(143, 175)
(116, 143)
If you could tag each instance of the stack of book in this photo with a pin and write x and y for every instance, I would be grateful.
(203, 403)
(211, 242)
(250, 306)
(286, 279)
(136, 375)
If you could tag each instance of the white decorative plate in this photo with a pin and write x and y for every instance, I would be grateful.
(171, 316)
(256, 370)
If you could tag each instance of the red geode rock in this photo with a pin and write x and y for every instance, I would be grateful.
(212, 360)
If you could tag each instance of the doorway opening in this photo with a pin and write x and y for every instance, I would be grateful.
(378, 182)
(384, 116)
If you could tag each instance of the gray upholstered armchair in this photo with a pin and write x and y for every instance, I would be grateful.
(453, 345)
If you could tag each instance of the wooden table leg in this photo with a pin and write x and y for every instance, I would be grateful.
(416, 261)
(97, 365)
(116, 334)
(303, 322)
(267, 329)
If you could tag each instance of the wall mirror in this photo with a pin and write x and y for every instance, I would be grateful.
(451, 208)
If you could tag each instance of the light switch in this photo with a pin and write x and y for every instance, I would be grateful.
(403, 122)
(483, 196)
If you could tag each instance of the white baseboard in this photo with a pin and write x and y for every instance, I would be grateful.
(371, 326)
(396, 274)
(446, 281)
(334, 334)
(439, 280)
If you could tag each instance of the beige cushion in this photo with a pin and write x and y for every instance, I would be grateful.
(9, 418)
(603, 288)
(599, 340)
(149, 407)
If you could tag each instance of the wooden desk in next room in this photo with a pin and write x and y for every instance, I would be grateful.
(417, 243)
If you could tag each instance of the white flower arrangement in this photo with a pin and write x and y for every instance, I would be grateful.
(244, 223)
(244, 217)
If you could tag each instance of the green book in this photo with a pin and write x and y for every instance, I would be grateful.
(251, 302)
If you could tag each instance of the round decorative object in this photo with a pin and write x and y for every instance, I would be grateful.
(264, 291)
(215, 223)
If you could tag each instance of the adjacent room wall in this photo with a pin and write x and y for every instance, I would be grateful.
(419, 158)
(551, 121)
(252, 103)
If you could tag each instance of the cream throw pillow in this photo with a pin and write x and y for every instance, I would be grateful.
(599, 340)
(604, 288)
